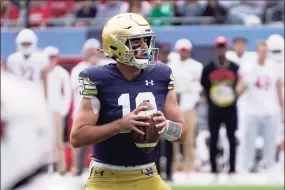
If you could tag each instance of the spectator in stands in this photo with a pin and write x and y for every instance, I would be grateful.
(216, 10)
(248, 9)
(177, 13)
(139, 7)
(229, 4)
(275, 16)
(9, 13)
(219, 80)
(192, 8)
(109, 8)
(161, 9)
(87, 10)
(39, 14)
(187, 73)
(61, 8)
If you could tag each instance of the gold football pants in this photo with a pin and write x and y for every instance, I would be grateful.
(143, 179)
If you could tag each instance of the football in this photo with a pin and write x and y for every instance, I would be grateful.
(148, 141)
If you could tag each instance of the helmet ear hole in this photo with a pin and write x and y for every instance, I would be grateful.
(113, 48)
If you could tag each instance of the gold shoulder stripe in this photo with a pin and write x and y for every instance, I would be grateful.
(171, 77)
(171, 83)
(87, 88)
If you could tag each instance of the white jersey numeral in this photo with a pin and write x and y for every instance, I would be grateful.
(124, 101)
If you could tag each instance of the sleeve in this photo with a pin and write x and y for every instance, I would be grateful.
(86, 87)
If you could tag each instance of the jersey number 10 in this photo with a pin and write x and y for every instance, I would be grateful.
(124, 101)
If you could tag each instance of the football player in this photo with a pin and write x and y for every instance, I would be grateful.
(109, 109)
(59, 99)
(26, 135)
(28, 62)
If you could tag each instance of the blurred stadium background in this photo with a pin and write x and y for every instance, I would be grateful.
(67, 24)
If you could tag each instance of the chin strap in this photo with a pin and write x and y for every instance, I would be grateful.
(172, 131)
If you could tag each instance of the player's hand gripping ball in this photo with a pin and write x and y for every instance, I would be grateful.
(148, 141)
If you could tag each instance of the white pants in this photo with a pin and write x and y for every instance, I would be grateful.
(265, 126)
(240, 135)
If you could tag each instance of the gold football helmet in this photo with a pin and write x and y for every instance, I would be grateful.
(119, 33)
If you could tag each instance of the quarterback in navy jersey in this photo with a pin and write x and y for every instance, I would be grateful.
(109, 109)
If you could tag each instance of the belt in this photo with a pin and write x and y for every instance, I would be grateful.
(97, 164)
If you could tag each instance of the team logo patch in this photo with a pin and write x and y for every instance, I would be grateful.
(99, 172)
(171, 77)
(149, 172)
(81, 86)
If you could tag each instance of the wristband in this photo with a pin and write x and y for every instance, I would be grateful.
(172, 131)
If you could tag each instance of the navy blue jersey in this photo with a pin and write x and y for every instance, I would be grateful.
(118, 97)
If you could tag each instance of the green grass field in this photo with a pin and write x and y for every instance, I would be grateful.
(228, 188)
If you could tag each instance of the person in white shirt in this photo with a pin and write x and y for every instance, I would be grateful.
(187, 73)
(91, 56)
(262, 81)
(29, 62)
(59, 99)
(26, 135)
(275, 44)
(241, 57)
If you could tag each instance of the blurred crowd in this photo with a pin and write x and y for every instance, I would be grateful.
(209, 147)
(232, 120)
(95, 13)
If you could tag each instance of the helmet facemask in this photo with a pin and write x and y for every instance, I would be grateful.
(276, 55)
(26, 42)
(275, 44)
(26, 48)
(133, 51)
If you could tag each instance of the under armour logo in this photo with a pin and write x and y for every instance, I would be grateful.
(149, 82)
(99, 172)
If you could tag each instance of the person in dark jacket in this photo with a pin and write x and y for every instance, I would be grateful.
(219, 79)
(216, 10)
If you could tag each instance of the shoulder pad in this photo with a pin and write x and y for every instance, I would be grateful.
(89, 79)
